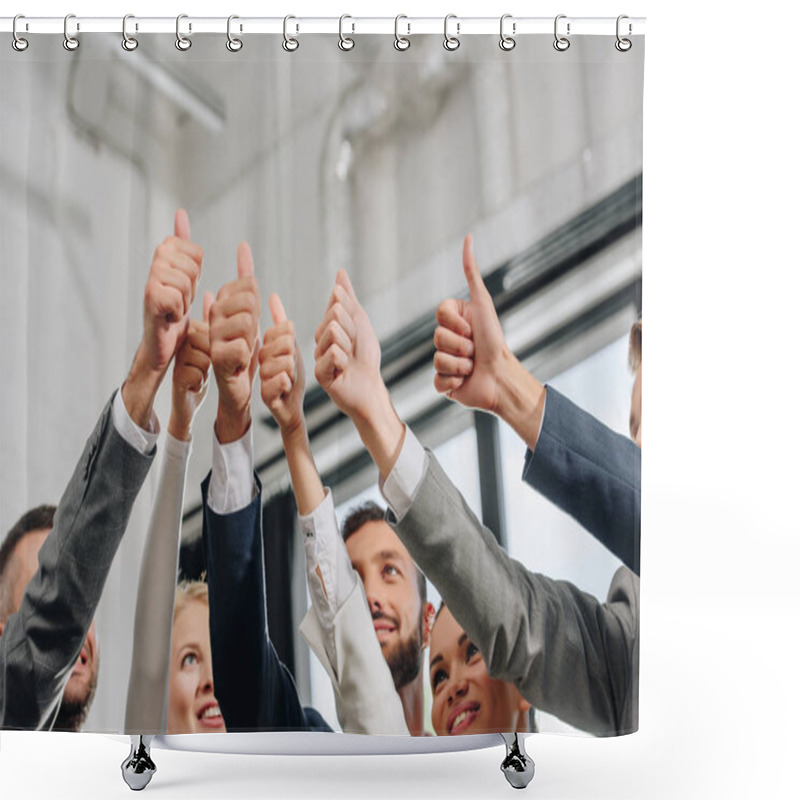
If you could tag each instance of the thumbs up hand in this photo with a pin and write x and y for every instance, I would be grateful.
(470, 346)
(234, 337)
(168, 295)
(190, 374)
(282, 375)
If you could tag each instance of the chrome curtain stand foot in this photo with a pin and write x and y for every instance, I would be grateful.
(517, 766)
(138, 768)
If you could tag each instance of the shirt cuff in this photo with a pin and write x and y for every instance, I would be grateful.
(232, 486)
(326, 550)
(144, 441)
(401, 484)
(528, 451)
(177, 449)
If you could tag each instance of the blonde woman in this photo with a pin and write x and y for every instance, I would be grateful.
(146, 711)
(192, 706)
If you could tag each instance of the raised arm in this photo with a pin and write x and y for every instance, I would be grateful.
(566, 651)
(254, 689)
(149, 680)
(41, 642)
(338, 626)
(573, 459)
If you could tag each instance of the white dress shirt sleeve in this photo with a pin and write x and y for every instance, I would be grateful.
(141, 440)
(326, 551)
(232, 486)
(402, 482)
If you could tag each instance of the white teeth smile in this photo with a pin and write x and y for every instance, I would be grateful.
(211, 711)
(460, 718)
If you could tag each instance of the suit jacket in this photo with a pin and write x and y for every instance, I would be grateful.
(591, 473)
(567, 652)
(41, 642)
(256, 692)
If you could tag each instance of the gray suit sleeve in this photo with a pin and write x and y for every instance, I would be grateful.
(568, 653)
(591, 473)
(41, 642)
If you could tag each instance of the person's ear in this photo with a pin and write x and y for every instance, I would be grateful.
(2, 625)
(523, 706)
(427, 623)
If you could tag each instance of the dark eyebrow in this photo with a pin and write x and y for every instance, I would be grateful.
(387, 555)
(436, 659)
(462, 638)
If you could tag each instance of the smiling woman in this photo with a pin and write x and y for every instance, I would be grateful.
(465, 698)
(193, 708)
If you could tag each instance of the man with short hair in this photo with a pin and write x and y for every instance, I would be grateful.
(46, 634)
(397, 596)
(568, 653)
(369, 608)
(18, 564)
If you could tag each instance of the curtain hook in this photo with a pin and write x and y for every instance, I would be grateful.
(182, 42)
(129, 43)
(345, 42)
(401, 43)
(233, 44)
(623, 45)
(561, 43)
(451, 42)
(290, 44)
(507, 42)
(70, 42)
(18, 43)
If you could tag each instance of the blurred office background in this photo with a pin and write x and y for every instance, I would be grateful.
(376, 161)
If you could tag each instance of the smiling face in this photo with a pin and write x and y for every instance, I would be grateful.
(192, 705)
(392, 588)
(465, 698)
(80, 688)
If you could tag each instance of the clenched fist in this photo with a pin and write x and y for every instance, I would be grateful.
(348, 367)
(348, 354)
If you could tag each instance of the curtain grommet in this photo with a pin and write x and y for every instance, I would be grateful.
(401, 43)
(451, 43)
(18, 42)
(70, 43)
(561, 43)
(507, 42)
(233, 44)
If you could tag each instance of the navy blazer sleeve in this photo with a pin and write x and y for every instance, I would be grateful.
(256, 692)
(591, 473)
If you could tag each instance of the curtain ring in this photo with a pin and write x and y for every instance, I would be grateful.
(507, 42)
(233, 44)
(345, 42)
(561, 43)
(70, 42)
(623, 45)
(18, 43)
(401, 43)
(451, 42)
(182, 42)
(129, 43)
(290, 44)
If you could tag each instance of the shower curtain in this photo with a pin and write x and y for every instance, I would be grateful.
(505, 593)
